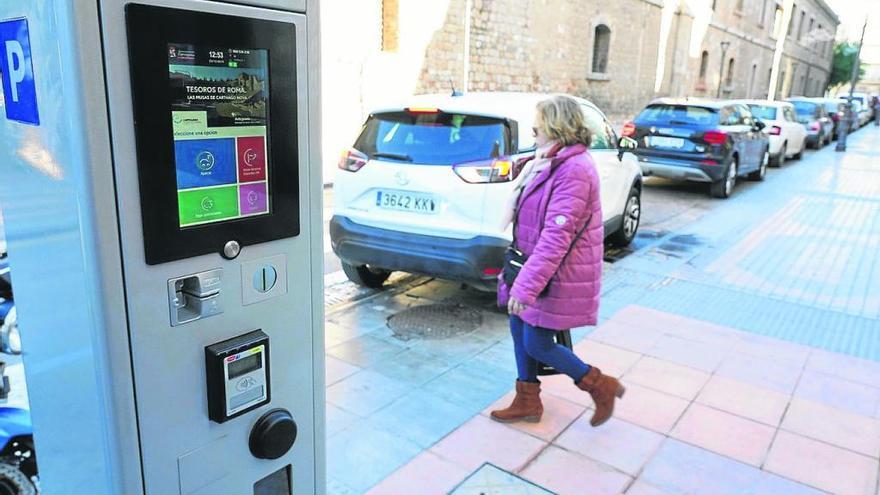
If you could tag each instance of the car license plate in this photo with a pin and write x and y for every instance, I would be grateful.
(665, 142)
(405, 201)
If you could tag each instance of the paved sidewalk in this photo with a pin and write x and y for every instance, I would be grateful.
(749, 341)
(708, 409)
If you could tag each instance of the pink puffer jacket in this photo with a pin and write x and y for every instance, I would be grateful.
(554, 207)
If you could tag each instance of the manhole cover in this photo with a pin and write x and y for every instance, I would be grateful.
(435, 321)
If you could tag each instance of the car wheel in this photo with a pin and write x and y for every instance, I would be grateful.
(800, 154)
(14, 482)
(632, 215)
(762, 170)
(365, 275)
(724, 188)
(780, 158)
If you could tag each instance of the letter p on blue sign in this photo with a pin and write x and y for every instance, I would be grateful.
(19, 89)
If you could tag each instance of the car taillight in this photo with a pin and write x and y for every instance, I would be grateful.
(352, 160)
(775, 130)
(814, 126)
(629, 129)
(715, 137)
(487, 171)
(491, 272)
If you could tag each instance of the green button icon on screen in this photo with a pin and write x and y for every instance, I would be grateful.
(207, 205)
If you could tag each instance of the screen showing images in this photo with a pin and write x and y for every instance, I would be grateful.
(220, 116)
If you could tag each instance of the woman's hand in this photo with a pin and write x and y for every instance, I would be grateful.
(515, 307)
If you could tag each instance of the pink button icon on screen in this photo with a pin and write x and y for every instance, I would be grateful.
(251, 159)
(252, 198)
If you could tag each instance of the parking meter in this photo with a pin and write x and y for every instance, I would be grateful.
(161, 193)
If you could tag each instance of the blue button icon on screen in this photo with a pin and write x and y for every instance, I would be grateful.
(205, 162)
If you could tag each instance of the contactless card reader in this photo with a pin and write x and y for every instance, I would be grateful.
(237, 371)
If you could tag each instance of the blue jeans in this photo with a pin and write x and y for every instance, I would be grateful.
(532, 345)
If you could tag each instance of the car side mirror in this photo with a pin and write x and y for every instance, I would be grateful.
(759, 125)
(625, 144)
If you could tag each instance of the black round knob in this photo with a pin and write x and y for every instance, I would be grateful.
(273, 435)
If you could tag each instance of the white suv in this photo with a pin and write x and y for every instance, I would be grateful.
(424, 186)
(788, 137)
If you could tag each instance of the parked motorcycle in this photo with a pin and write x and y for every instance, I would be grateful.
(10, 339)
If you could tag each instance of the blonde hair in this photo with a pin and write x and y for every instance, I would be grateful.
(561, 118)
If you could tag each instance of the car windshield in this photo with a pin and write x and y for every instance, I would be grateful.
(429, 137)
(763, 112)
(679, 114)
(804, 108)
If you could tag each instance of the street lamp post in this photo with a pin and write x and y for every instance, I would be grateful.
(848, 118)
(724, 46)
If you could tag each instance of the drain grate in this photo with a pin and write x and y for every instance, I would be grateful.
(435, 321)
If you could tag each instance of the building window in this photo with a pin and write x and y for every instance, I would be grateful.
(801, 25)
(752, 80)
(810, 30)
(729, 79)
(791, 22)
(704, 66)
(390, 25)
(601, 45)
(820, 35)
(777, 22)
(763, 15)
(714, 4)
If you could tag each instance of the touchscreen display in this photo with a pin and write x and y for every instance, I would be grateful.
(220, 116)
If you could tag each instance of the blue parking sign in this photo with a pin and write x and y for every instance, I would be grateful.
(19, 89)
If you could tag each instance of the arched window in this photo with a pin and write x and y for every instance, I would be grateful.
(704, 65)
(729, 80)
(601, 45)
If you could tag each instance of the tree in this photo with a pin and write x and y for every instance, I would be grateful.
(842, 64)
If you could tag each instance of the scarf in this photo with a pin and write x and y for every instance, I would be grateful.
(544, 156)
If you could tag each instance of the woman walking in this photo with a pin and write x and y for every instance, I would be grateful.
(558, 233)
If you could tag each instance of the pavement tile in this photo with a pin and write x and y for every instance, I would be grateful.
(840, 428)
(725, 434)
(562, 386)
(679, 468)
(764, 373)
(740, 398)
(612, 360)
(558, 414)
(473, 384)
(664, 376)
(699, 355)
(337, 369)
(649, 408)
(413, 366)
(366, 350)
(483, 440)
(567, 473)
(773, 349)
(335, 333)
(619, 444)
(706, 332)
(365, 392)
(821, 465)
(837, 392)
(337, 419)
(364, 455)
(626, 335)
(847, 367)
(422, 417)
(642, 488)
(432, 475)
(645, 317)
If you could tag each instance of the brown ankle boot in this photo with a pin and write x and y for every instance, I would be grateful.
(603, 389)
(526, 405)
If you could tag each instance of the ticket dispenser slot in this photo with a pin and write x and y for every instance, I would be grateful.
(194, 297)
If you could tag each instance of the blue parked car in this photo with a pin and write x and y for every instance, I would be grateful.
(700, 140)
